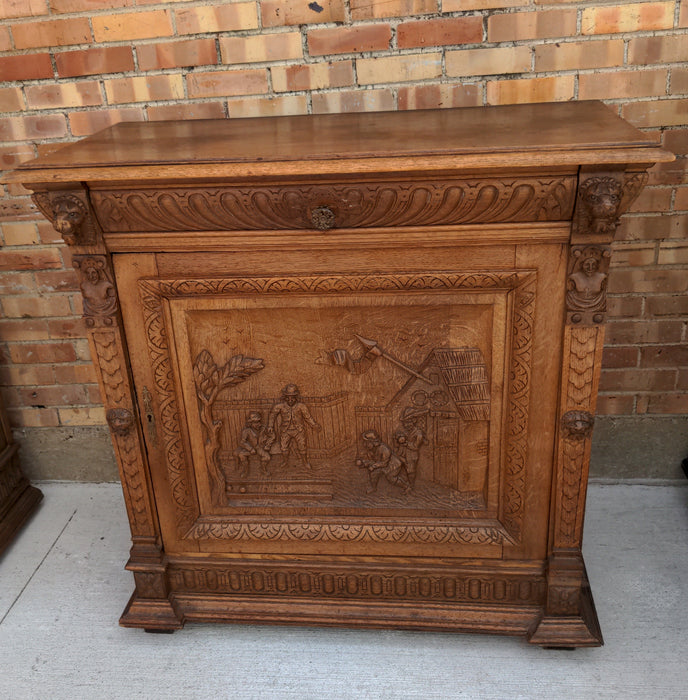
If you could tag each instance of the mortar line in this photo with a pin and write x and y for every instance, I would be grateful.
(35, 571)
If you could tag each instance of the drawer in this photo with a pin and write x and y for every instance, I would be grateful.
(311, 206)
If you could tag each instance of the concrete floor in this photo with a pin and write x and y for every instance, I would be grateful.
(63, 587)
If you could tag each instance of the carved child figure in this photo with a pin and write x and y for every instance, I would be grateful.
(411, 421)
(287, 423)
(98, 291)
(251, 443)
(382, 461)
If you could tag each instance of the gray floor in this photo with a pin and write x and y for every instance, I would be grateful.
(62, 588)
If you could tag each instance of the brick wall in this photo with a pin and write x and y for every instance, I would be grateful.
(71, 67)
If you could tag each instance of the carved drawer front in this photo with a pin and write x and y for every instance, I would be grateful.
(334, 206)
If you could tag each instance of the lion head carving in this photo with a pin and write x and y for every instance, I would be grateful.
(601, 200)
(68, 215)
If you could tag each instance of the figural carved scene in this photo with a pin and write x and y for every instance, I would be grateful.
(347, 402)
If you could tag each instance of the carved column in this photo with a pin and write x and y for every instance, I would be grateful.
(71, 215)
(602, 199)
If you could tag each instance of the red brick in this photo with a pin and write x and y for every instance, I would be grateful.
(465, 5)
(313, 76)
(440, 32)
(177, 54)
(81, 94)
(67, 328)
(642, 16)
(652, 199)
(26, 375)
(261, 48)
(395, 69)
(42, 259)
(371, 37)
(48, 281)
(33, 417)
(33, 66)
(36, 307)
(615, 405)
(20, 233)
(33, 126)
(227, 83)
(189, 110)
(674, 305)
(223, 18)
(683, 17)
(23, 329)
(132, 25)
(439, 96)
(47, 234)
(56, 32)
(14, 155)
(75, 374)
(624, 307)
(501, 60)
(675, 173)
(43, 353)
(11, 100)
(65, 6)
(290, 12)
(630, 332)
(268, 106)
(579, 55)
(5, 39)
(641, 281)
(664, 356)
(633, 255)
(681, 199)
(82, 416)
(620, 357)
(657, 49)
(553, 89)
(144, 88)
(516, 26)
(652, 227)
(656, 113)
(368, 9)
(22, 8)
(682, 380)
(669, 404)
(619, 84)
(48, 396)
(17, 283)
(637, 380)
(112, 59)
(381, 100)
(87, 123)
(679, 79)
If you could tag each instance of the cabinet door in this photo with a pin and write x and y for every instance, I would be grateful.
(357, 412)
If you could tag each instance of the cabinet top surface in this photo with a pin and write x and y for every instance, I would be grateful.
(176, 148)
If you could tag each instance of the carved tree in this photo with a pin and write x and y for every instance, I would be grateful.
(210, 381)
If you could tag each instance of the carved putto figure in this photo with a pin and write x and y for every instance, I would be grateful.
(587, 284)
(601, 199)
(382, 461)
(98, 291)
(287, 424)
(252, 442)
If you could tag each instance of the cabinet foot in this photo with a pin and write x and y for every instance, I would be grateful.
(567, 632)
(17, 515)
(151, 614)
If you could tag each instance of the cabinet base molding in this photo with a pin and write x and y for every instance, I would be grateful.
(18, 513)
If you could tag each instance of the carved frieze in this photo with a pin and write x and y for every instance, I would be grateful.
(431, 585)
(69, 213)
(323, 207)
(97, 288)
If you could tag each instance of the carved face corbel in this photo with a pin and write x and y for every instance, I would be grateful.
(577, 425)
(68, 212)
(120, 420)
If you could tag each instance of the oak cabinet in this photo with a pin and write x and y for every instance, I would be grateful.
(350, 362)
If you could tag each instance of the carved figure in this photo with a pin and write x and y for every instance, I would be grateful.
(601, 200)
(100, 299)
(414, 439)
(577, 425)
(382, 461)
(68, 215)
(587, 284)
(287, 424)
(251, 442)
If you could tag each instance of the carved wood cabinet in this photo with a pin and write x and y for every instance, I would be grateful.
(350, 361)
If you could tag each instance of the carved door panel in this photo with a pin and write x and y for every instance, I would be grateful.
(345, 413)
